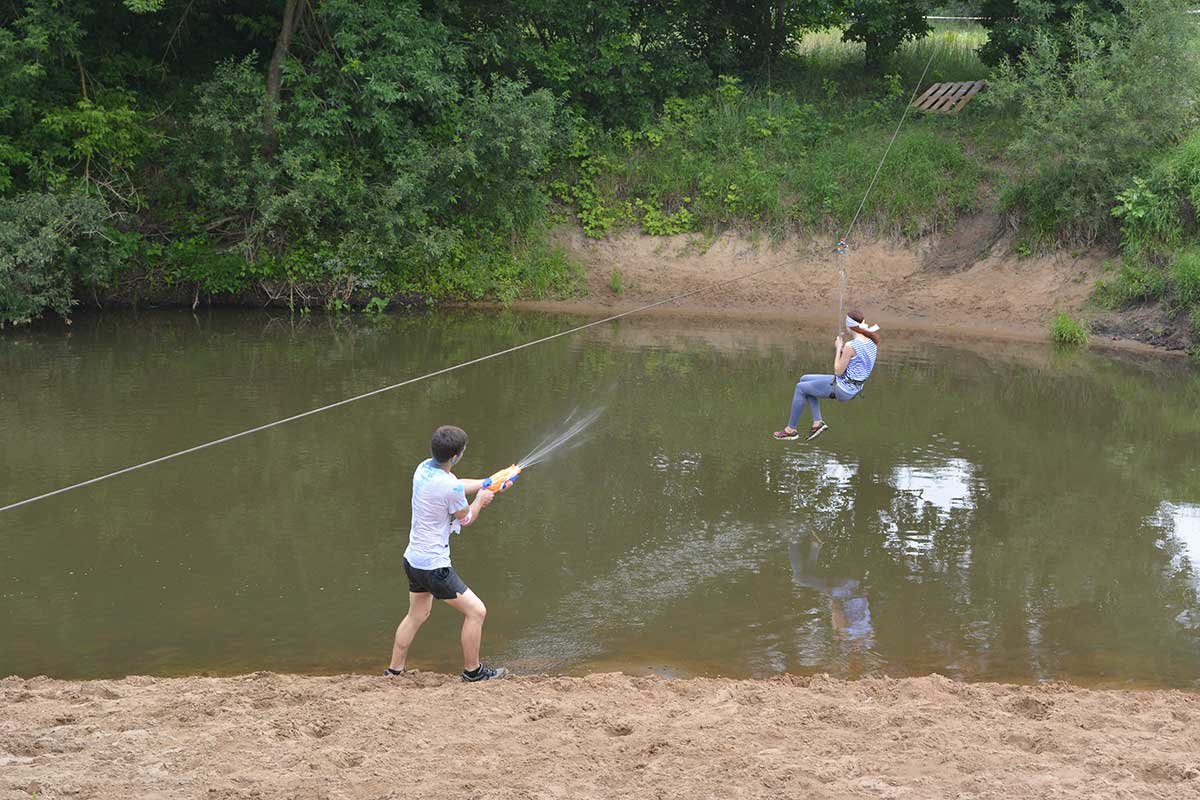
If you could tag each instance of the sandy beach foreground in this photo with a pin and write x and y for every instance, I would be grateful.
(604, 736)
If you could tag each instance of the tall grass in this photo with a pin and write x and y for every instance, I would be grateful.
(1158, 214)
(773, 163)
(1185, 273)
(953, 47)
(1137, 281)
(794, 153)
(1066, 330)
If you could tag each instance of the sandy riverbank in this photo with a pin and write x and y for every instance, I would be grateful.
(604, 736)
(968, 282)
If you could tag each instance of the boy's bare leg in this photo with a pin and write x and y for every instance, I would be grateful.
(474, 612)
(419, 606)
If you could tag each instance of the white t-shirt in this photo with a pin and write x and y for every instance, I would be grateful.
(436, 497)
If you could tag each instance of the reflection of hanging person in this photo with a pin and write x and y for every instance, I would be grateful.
(852, 366)
(849, 607)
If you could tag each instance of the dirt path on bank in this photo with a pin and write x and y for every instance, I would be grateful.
(967, 280)
(604, 736)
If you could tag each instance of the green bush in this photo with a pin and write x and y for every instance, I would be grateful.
(1157, 214)
(1068, 331)
(1136, 282)
(1149, 218)
(1186, 274)
(1194, 318)
(1093, 112)
(1178, 173)
(1014, 26)
(660, 223)
(1156, 211)
(435, 188)
(49, 244)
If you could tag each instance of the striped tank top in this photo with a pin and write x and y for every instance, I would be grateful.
(860, 366)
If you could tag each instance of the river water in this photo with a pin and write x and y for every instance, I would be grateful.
(986, 511)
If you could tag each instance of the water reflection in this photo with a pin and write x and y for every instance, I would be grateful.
(945, 486)
(1179, 524)
(1181, 527)
(850, 609)
(933, 498)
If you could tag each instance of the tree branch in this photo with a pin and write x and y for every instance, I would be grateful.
(82, 78)
(275, 74)
(175, 34)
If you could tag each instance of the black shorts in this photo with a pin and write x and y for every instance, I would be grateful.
(443, 583)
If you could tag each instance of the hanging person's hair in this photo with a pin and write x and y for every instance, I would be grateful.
(858, 317)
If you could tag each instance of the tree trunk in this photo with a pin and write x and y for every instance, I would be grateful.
(779, 32)
(291, 15)
(874, 54)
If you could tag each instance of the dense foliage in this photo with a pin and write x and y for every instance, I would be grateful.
(1093, 118)
(351, 151)
(772, 163)
(1015, 25)
(1160, 236)
(1107, 145)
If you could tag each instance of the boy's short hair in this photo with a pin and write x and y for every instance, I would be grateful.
(448, 441)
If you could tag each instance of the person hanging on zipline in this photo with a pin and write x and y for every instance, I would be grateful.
(439, 508)
(852, 365)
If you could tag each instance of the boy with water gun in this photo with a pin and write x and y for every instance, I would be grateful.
(439, 508)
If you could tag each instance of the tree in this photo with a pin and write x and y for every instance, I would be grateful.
(1096, 110)
(883, 25)
(1013, 25)
(744, 37)
(611, 59)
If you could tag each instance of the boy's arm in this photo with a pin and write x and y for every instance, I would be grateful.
(471, 513)
(471, 485)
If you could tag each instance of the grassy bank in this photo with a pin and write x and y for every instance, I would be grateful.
(1160, 258)
(797, 154)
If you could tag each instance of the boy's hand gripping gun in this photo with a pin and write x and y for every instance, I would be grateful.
(503, 479)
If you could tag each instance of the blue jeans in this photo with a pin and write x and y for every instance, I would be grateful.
(812, 389)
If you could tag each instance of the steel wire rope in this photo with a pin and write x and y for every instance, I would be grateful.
(843, 243)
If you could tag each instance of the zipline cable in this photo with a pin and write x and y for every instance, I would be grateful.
(895, 133)
(843, 243)
(383, 389)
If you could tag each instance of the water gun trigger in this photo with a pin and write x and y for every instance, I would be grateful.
(503, 479)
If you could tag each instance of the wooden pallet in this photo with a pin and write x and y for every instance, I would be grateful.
(948, 98)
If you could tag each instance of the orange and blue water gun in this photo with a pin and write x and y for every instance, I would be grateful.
(503, 479)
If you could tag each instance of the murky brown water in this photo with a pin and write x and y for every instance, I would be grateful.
(1002, 512)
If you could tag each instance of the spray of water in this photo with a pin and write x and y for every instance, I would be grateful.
(565, 439)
